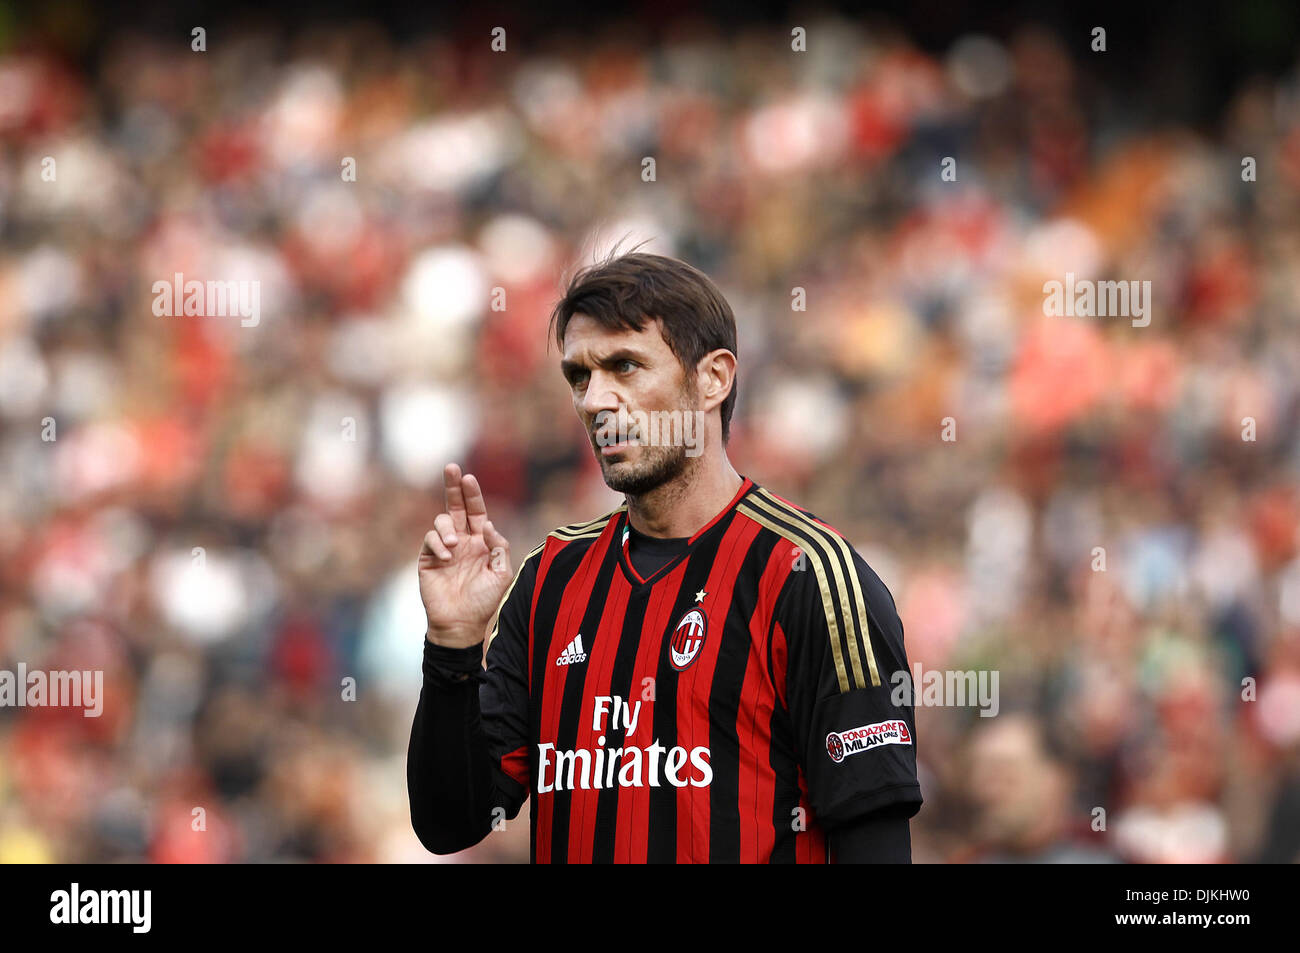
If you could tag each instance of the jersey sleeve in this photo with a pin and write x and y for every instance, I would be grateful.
(466, 761)
(843, 640)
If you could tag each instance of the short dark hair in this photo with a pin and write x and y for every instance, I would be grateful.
(625, 292)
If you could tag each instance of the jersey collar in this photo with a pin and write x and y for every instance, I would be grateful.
(622, 537)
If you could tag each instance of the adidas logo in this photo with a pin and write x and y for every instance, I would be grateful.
(573, 653)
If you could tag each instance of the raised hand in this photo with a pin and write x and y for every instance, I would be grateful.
(464, 566)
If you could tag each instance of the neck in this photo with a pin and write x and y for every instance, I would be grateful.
(685, 505)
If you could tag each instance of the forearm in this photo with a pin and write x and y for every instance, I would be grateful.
(449, 775)
(881, 837)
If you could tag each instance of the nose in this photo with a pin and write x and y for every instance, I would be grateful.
(599, 395)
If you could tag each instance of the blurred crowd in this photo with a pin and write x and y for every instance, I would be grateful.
(224, 519)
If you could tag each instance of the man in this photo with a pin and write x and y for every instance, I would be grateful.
(1020, 797)
(701, 674)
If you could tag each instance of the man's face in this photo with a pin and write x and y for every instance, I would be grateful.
(624, 376)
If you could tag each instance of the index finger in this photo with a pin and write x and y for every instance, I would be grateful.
(455, 497)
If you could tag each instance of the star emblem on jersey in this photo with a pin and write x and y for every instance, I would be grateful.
(573, 652)
(688, 638)
(699, 596)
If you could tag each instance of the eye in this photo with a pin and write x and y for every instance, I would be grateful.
(626, 366)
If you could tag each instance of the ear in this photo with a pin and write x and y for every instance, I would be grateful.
(715, 375)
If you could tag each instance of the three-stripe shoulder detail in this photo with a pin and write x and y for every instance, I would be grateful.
(588, 530)
(832, 562)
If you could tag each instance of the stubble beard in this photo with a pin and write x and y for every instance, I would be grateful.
(657, 466)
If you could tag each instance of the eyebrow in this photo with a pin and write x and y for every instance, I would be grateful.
(568, 367)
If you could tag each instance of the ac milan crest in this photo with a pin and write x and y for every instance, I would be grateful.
(835, 747)
(688, 639)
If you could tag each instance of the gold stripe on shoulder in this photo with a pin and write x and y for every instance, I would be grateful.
(596, 534)
(837, 569)
(819, 571)
(574, 530)
(864, 630)
(509, 589)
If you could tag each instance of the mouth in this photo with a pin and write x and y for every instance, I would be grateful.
(613, 449)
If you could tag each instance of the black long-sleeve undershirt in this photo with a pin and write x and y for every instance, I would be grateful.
(449, 772)
(453, 789)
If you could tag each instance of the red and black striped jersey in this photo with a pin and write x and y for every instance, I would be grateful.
(732, 707)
